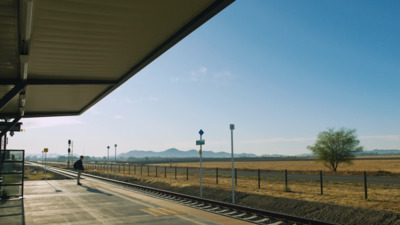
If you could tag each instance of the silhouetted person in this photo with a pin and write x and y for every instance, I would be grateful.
(78, 165)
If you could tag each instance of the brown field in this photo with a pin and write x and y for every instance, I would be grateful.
(34, 173)
(380, 197)
(369, 164)
(31, 173)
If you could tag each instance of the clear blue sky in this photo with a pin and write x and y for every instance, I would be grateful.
(281, 71)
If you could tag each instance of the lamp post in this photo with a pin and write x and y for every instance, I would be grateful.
(115, 162)
(108, 157)
(232, 127)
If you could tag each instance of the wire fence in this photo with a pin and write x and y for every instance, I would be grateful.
(254, 178)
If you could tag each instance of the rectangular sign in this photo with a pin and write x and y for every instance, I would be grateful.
(46, 150)
(16, 127)
(200, 142)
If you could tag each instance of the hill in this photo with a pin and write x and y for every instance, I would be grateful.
(175, 153)
(379, 152)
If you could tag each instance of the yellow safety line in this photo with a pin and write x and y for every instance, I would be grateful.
(149, 212)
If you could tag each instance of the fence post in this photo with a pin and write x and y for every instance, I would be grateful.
(320, 178)
(175, 172)
(129, 168)
(165, 172)
(216, 175)
(156, 170)
(148, 171)
(235, 176)
(124, 168)
(134, 169)
(286, 185)
(187, 173)
(258, 171)
(141, 170)
(365, 185)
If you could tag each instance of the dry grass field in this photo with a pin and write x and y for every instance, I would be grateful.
(363, 164)
(31, 173)
(34, 173)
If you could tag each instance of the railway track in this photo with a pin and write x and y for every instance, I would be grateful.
(256, 216)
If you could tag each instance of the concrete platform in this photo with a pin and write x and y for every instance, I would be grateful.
(64, 202)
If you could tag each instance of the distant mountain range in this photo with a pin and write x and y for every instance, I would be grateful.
(175, 153)
(379, 152)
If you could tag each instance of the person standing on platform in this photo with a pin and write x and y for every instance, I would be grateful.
(78, 165)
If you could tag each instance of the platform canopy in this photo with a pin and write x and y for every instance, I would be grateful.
(60, 57)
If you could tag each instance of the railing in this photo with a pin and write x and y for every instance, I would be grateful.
(12, 173)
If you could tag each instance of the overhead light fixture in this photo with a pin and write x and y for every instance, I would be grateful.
(22, 100)
(28, 19)
(24, 59)
(21, 111)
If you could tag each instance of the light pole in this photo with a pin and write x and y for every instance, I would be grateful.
(108, 157)
(115, 162)
(232, 127)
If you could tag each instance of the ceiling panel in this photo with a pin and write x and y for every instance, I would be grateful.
(100, 40)
(60, 98)
(9, 65)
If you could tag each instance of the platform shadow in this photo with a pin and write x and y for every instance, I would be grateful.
(56, 190)
(93, 190)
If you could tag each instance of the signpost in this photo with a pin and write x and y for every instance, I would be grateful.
(16, 127)
(115, 162)
(45, 150)
(232, 127)
(108, 158)
(69, 150)
(201, 142)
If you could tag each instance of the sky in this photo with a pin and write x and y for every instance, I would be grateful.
(281, 71)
